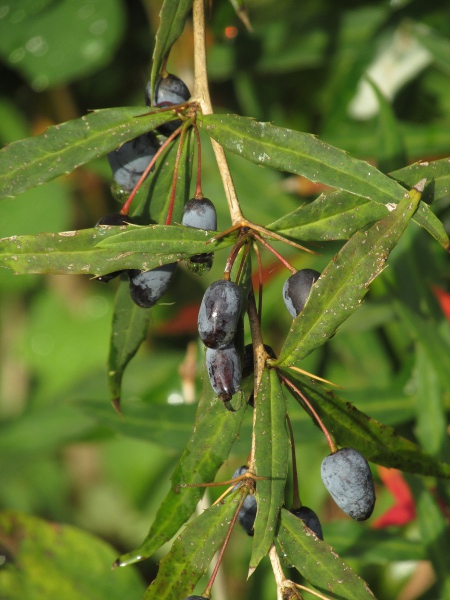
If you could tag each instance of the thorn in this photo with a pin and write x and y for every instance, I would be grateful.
(250, 572)
(116, 406)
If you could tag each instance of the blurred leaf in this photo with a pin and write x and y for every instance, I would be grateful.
(317, 562)
(49, 560)
(391, 152)
(271, 461)
(431, 420)
(80, 252)
(434, 345)
(437, 45)
(192, 552)
(52, 43)
(215, 430)
(129, 330)
(303, 154)
(436, 172)
(173, 17)
(345, 281)
(377, 442)
(163, 424)
(435, 533)
(334, 216)
(373, 546)
(62, 148)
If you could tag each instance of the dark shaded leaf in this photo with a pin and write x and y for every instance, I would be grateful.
(317, 562)
(345, 281)
(271, 461)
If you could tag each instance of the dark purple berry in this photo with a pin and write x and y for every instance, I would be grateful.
(196, 598)
(147, 287)
(169, 90)
(247, 514)
(296, 290)
(347, 476)
(310, 519)
(219, 313)
(200, 213)
(224, 371)
(129, 161)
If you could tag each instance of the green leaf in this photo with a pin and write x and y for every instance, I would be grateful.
(335, 216)
(80, 252)
(192, 552)
(317, 562)
(431, 428)
(391, 151)
(62, 148)
(271, 461)
(435, 533)
(48, 560)
(54, 43)
(163, 424)
(436, 172)
(173, 17)
(129, 330)
(437, 45)
(303, 154)
(434, 345)
(215, 431)
(379, 443)
(345, 281)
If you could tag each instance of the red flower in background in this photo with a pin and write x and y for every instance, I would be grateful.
(444, 300)
(404, 509)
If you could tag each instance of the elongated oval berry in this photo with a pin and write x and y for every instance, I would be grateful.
(219, 313)
(347, 476)
(129, 161)
(147, 287)
(247, 514)
(310, 519)
(200, 213)
(169, 90)
(224, 371)
(296, 290)
(196, 598)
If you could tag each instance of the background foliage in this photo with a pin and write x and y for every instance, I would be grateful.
(64, 455)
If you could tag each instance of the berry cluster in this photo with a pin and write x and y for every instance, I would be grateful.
(345, 472)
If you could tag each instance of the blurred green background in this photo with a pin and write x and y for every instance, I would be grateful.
(64, 454)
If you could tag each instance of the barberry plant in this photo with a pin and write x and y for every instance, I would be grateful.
(165, 221)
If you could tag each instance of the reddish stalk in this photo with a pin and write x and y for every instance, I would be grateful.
(260, 281)
(241, 266)
(296, 502)
(233, 255)
(198, 187)
(175, 173)
(262, 241)
(328, 437)
(207, 592)
(126, 207)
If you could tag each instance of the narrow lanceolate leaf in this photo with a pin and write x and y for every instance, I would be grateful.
(433, 343)
(379, 443)
(62, 148)
(435, 534)
(192, 552)
(303, 154)
(214, 433)
(271, 453)
(173, 16)
(345, 281)
(436, 172)
(129, 330)
(390, 149)
(335, 216)
(82, 252)
(318, 563)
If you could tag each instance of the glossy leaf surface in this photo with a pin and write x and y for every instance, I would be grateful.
(318, 562)
(271, 452)
(345, 281)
